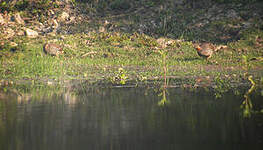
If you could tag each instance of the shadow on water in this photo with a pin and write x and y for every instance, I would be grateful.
(127, 118)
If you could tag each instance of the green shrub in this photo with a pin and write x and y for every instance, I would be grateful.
(30, 5)
(120, 5)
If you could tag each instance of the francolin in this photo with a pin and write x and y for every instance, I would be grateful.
(204, 50)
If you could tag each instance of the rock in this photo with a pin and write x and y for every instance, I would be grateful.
(246, 24)
(17, 18)
(163, 43)
(63, 17)
(13, 44)
(20, 33)
(52, 34)
(9, 33)
(2, 43)
(51, 13)
(47, 30)
(102, 29)
(2, 20)
(55, 23)
(31, 33)
(52, 49)
(72, 19)
(178, 2)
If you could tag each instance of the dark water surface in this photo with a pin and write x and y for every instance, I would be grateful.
(128, 118)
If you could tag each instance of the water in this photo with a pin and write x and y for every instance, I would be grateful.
(127, 118)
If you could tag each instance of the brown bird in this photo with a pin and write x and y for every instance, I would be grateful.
(52, 49)
(204, 50)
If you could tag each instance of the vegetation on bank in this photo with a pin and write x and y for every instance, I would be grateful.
(120, 41)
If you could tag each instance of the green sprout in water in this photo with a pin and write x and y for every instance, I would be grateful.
(164, 101)
(165, 66)
(247, 104)
(120, 77)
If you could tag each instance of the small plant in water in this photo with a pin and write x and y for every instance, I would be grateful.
(165, 66)
(120, 77)
(164, 101)
(246, 105)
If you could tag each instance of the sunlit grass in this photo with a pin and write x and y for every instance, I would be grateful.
(100, 54)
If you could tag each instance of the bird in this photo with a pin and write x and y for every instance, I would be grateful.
(204, 50)
(52, 49)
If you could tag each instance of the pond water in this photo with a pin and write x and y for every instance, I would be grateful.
(128, 118)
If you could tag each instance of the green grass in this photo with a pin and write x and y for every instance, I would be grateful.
(100, 55)
(89, 54)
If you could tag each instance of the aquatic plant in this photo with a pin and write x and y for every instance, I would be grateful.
(120, 77)
(164, 101)
(246, 105)
(164, 66)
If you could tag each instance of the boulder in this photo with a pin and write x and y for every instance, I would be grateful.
(13, 44)
(102, 29)
(20, 33)
(31, 33)
(63, 17)
(54, 23)
(163, 43)
(8, 33)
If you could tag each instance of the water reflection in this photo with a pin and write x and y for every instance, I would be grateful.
(125, 118)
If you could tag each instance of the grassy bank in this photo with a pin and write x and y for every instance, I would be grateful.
(116, 51)
(100, 55)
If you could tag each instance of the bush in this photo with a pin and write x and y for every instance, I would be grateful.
(30, 5)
